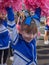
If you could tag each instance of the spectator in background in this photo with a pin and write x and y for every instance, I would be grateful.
(4, 40)
(46, 31)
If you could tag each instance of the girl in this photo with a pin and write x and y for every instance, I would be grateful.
(24, 43)
(46, 31)
(4, 41)
(25, 48)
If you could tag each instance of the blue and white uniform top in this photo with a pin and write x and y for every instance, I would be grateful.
(4, 37)
(25, 52)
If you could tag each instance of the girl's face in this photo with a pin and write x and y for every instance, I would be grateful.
(28, 37)
(2, 16)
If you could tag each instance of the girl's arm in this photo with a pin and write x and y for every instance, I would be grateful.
(11, 24)
(45, 22)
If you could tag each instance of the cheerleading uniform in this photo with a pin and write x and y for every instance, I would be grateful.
(24, 53)
(4, 43)
(4, 37)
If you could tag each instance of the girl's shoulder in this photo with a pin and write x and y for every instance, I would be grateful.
(2, 28)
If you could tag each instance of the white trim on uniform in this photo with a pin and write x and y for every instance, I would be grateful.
(22, 56)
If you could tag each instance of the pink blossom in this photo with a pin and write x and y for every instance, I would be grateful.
(16, 4)
(33, 4)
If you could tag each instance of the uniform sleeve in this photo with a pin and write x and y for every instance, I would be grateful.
(11, 25)
(37, 14)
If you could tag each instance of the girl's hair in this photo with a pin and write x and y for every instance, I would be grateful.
(32, 28)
